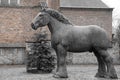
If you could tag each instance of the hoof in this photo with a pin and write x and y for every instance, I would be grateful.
(114, 76)
(54, 71)
(100, 75)
(60, 76)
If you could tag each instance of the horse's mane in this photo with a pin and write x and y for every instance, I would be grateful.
(57, 15)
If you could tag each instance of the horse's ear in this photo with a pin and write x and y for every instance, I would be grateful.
(43, 6)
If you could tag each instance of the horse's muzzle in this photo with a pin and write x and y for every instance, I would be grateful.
(33, 27)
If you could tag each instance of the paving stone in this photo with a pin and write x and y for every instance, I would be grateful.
(75, 72)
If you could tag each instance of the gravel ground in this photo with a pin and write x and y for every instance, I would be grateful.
(75, 72)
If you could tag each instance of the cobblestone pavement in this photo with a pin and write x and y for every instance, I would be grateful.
(75, 72)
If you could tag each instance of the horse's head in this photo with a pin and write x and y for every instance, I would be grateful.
(42, 19)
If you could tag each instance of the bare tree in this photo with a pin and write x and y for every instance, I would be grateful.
(118, 36)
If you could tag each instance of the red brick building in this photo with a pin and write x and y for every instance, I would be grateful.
(16, 17)
(15, 29)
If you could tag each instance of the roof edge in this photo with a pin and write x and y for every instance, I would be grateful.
(85, 8)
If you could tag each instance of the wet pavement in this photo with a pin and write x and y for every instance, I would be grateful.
(75, 72)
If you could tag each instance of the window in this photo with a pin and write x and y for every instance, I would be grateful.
(9, 2)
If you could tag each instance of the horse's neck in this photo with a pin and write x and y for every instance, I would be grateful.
(54, 25)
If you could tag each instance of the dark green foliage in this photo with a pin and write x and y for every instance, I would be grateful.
(41, 57)
(45, 61)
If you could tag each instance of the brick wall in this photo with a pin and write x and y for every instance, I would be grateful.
(53, 4)
(29, 2)
(100, 17)
(15, 22)
(15, 28)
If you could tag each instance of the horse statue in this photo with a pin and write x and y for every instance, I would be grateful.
(67, 37)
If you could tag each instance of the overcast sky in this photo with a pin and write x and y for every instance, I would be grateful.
(116, 12)
(114, 4)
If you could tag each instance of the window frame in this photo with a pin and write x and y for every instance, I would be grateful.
(9, 3)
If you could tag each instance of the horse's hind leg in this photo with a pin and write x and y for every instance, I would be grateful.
(101, 65)
(111, 73)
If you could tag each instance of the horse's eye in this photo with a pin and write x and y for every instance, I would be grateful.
(40, 15)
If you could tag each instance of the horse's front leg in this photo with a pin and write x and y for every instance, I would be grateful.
(58, 57)
(61, 65)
